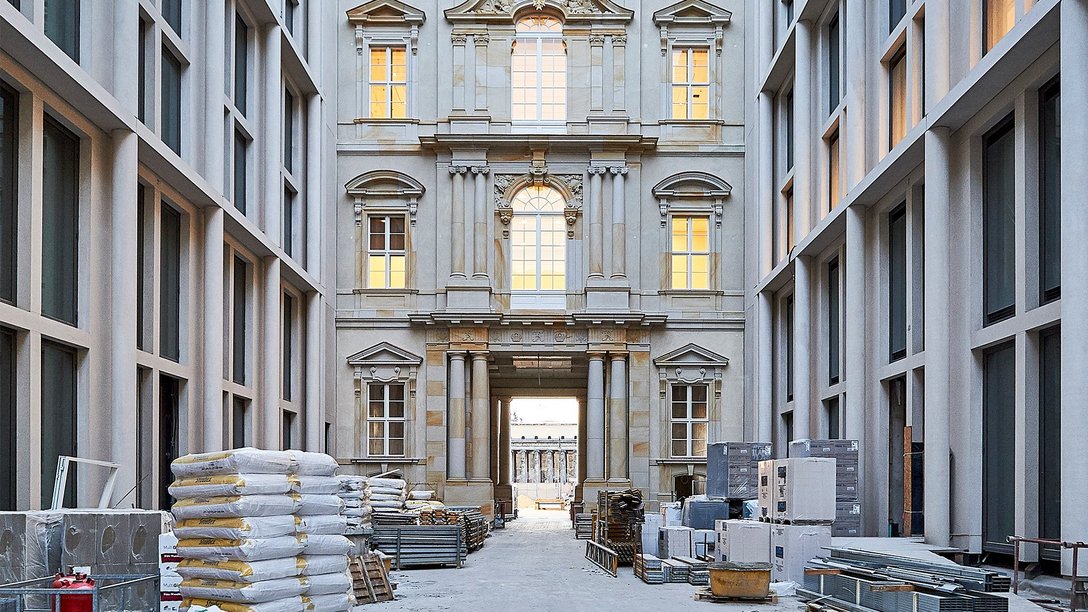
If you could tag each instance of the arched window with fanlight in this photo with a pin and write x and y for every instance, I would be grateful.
(538, 237)
(539, 72)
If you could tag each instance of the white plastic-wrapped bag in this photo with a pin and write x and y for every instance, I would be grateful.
(325, 524)
(386, 497)
(219, 485)
(233, 528)
(337, 602)
(315, 485)
(241, 571)
(387, 505)
(313, 464)
(326, 544)
(327, 584)
(386, 491)
(354, 494)
(395, 483)
(244, 592)
(287, 604)
(350, 482)
(421, 495)
(237, 461)
(314, 565)
(234, 506)
(361, 512)
(245, 549)
(310, 505)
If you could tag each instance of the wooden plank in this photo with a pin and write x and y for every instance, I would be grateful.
(908, 481)
(822, 571)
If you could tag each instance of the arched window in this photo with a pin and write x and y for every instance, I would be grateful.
(538, 248)
(539, 71)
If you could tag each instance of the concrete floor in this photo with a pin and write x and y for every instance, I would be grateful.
(535, 564)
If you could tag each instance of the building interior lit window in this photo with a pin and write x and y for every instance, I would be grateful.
(690, 253)
(388, 82)
(385, 419)
(387, 257)
(539, 251)
(897, 81)
(539, 71)
(999, 17)
(689, 420)
(690, 83)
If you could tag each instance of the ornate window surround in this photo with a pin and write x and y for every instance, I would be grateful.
(384, 192)
(692, 193)
(385, 363)
(689, 365)
(696, 24)
(568, 185)
(384, 23)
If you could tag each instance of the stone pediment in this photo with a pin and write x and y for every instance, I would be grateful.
(692, 185)
(386, 12)
(384, 354)
(692, 12)
(691, 355)
(578, 11)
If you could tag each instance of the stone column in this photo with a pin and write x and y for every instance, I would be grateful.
(273, 128)
(595, 419)
(504, 442)
(480, 241)
(271, 385)
(596, 73)
(596, 221)
(937, 477)
(212, 332)
(802, 295)
(856, 53)
(534, 466)
(314, 416)
(457, 222)
(314, 184)
(572, 465)
(619, 223)
(123, 256)
(1074, 60)
(456, 470)
(214, 86)
(619, 77)
(523, 466)
(480, 40)
(493, 457)
(764, 392)
(767, 197)
(854, 322)
(458, 41)
(802, 136)
(481, 418)
(617, 409)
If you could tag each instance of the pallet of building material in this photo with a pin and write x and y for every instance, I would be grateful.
(603, 557)
(394, 518)
(413, 545)
(705, 594)
(583, 525)
(732, 469)
(370, 582)
(675, 571)
(971, 578)
(648, 568)
(619, 514)
(698, 570)
(845, 454)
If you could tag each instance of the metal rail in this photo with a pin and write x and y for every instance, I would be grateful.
(19, 591)
(1074, 546)
(603, 557)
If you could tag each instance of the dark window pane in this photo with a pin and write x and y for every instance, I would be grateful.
(897, 10)
(169, 434)
(679, 394)
(8, 204)
(141, 65)
(789, 349)
(396, 393)
(1050, 194)
(698, 393)
(239, 320)
(998, 224)
(833, 66)
(789, 131)
(833, 427)
(58, 417)
(240, 146)
(998, 447)
(240, 423)
(141, 271)
(833, 322)
(289, 222)
(171, 11)
(171, 101)
(170, 284)
(288, 345)
(288, 131)
(288, 429)
(8, 457)
(241, 64)
(1050, 435)
(60, 222)
(897, 283)
(62, 26)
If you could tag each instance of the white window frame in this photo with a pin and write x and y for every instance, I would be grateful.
(386, 253)
(689, 252)
(689, 83)
(536, 39)
(537, 298)
(388, 81)
(386, 419)
(689, 421)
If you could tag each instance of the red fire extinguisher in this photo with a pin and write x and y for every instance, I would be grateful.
(73, 603)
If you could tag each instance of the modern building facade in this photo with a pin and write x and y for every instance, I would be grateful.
(917, 278)
(539, 198)
(164, 266)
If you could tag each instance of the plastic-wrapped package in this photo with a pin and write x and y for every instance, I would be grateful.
(360, 495)
(237, 461)
(326, 544)
(220, 485)
(313, 464)
(234, 528)
(311, 505)
(395, 483)
(327, 584)
(315, 485)
(244, 592)
(374, 491)
(338, 602)
(329, 524)
(234, 506)
(421, 495)
(241, 571)
(396, 505)
(287, 604)
(314, 565)
(351, 482)
(360, 512)
(244, 549)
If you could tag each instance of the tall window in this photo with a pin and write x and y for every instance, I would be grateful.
(691, 83)
(897, 9)
(385, 419)
(833, 322)
(1050, 434)
(241, 64)
(897, 283)
(171, 12)
(689, 420)
(788, 131)
(1050, 193)
(143, 71)
(539, 241)
(539, 71)
(998, 18)
(170, 283)
(998, 223)
(834, 171)
(240, 320)
(171, 101)
(834, 65)
(9, 251)
(834, 418)
(60, 222)
(8, 424)
(690, 252)
(288, 340)
(998, 447)
(789, 349)
(388, 82)
(288, 130)
(62, 25)
(240, 427)
(897, 81)
(386, 263)
(58, 415)
(241, 149)
(288, 430)
(289, 205)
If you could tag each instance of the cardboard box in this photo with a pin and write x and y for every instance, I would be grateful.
(741, 541)
(768, 491)
(805, 490)
(670, 514)
(793, 546)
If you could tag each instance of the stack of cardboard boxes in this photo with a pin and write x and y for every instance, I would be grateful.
(797, 500)
(845, 454)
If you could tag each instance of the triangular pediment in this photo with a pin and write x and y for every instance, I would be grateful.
(691, 354)
(384, 353)
(692, 12)
(387, 12)
(583, 11)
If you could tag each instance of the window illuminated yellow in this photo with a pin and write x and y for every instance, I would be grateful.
(834, 184)
(387, 258)
(999, 18)
(690, 83)
(538, 71)
(897, 75)
(690, 245)
(388, 82)
(538, 240)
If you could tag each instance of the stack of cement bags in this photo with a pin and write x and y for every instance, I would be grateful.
(253, 531)
(387, 494)
(355, 491)
(422, 500)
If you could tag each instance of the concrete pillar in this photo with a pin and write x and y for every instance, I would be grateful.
(619, 223)
(938, 59)
(596, 72)
(596, 222)
(272, 133)
(214, 88)
(854, 323)
(457, 222)
(271, 385)
(802, 140)
(765, 188)
(456, 434)
(937, 477)
(458, 41)
(493, 457)
(1074, 479)
(504, 442)
(766, 49)
(480, 240)
(314, 218)
(212, 332)
(802, 397)
(617, 431)
(314, 415)
(481, 419)
(595, 419)
(123, 250)
(856, 78)
(765, 381)
(619, 78)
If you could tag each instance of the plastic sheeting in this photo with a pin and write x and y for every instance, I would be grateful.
(244, 549)
(313, 464)
(290, 604)
(235, 506)
(237, 461)
(241, 571)
(313, 565)
(326, 544)
(220, 485)
(313, 505)
(236, 527)
(244, 592)
(332, 524)
(330, 603)
(315, 485)
(328, 584)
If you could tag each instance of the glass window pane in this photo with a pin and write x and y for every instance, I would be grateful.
(897, 282)
(8, 424)
(170, 283)
(240, 172)
(680, 410)
(699, 66)
(396, 447)
(680, 448)
(679, 431)
(698, 410)
(8, 203)
(1050, 229)
(898, 97)
(399, 65)
(396, 429)
(59, 414)
(377, 233)
(679, 102)
(1000, 16)
(698, 393)
(62, 27)
(700, 234)
(379, 70)
(998, 446)
(241, 64)
(376, 446)
(999, 221)
(171, 11)
(60, 222)
(239, 321)
(680, 66)
(376, 270)
(171, 101)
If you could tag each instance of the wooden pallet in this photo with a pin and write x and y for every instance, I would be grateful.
(369, 579)
(705, 594)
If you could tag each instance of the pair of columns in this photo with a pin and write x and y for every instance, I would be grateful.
(476, 217)
(480, 417)
(596, 221)
(617, 446)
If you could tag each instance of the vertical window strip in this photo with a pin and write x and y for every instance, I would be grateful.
(897, 283)
(388, 82)
(8, 421)
(897, 80)
(9, 218)
(789, 349)
(539, 71)
(691, 83)
(170, 120)
(833, 322)
(1050, 191)
(999, 223)
(385, 419)
(60, 222)
(288, 130)
(834, 67)
(62, 25)
(241, 171)
(288, 340)
(999, 17)
(240, 321)
(170, 283)
(241, 64)
(834, 172)
(387, 258)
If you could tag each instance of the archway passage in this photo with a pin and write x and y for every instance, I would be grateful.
(544, 451)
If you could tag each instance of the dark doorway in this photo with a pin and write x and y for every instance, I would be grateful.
(897, 421)
(998, 447)
(169, 442)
